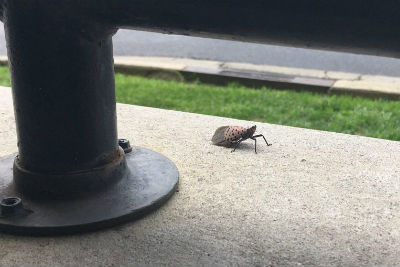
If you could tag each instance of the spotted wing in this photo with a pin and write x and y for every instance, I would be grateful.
(234, 133)
(219, 136)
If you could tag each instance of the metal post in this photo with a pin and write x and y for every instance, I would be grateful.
(63, 90)
(70, 173)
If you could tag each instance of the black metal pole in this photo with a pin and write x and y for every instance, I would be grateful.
(64, 97)
(63, 90)
(70, 174)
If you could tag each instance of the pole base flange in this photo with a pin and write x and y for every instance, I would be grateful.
(151, 180)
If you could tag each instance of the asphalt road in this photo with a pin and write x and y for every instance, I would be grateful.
(136, 43)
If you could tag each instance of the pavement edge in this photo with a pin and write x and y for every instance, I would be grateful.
(257, 76)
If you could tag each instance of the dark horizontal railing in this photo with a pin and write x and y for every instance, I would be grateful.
(359, 26)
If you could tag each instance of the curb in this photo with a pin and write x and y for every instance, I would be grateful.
(257, 76)
(217, 73)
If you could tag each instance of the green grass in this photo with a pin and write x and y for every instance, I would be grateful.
(354, 115)
(4, 76)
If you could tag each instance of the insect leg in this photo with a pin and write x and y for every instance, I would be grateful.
(237, 144)
(255, 143)
(260, 135)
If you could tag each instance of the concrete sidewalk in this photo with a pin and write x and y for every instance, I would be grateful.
(263, 75)
(313, 198)
(217, 72)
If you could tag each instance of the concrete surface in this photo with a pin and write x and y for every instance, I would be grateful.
(313, 198)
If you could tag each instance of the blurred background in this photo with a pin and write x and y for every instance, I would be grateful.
(138, 43)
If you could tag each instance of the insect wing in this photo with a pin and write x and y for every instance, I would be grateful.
(233, 133)
(219, 135)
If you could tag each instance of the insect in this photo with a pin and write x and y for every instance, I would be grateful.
(229, 136)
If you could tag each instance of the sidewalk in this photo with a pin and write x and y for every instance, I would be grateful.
(222, 73)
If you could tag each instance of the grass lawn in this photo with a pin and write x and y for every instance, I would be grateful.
(354, 115)
(4, 76)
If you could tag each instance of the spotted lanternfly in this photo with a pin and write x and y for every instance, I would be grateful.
(229, 136)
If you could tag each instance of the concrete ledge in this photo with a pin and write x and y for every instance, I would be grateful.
(313, 198)
(257, 76)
